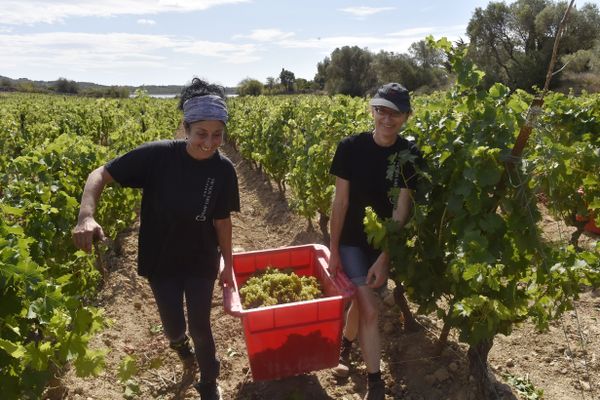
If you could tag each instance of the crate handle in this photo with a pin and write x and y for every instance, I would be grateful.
(344, 286)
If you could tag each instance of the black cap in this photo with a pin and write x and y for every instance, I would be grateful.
(392, 95)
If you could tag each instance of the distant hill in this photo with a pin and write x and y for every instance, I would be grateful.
(6, 83)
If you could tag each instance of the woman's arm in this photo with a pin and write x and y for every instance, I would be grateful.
(224, 230)
(87, 229)
(403, 206)
(336, 221)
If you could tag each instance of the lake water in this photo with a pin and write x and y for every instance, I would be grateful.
(164, 96)
(171, 96)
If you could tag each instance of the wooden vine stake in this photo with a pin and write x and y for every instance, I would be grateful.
(478, 354)
(536, 104)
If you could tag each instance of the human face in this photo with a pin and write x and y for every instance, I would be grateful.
(388, 121)
(204, 138)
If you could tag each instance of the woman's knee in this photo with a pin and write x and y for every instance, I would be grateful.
(369, 312)
(371, 316)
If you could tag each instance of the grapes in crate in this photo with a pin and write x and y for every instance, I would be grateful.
(273, 286)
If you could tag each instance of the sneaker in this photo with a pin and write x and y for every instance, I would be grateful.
(189, 370)
(342, 370)
(208, 390)
(375, 391)
(182, 348)
(186, 355)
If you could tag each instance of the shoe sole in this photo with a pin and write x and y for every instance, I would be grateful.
(341, 371)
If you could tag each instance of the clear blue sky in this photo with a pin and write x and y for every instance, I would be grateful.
(135, 42)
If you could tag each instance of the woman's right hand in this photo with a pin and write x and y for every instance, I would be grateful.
(85, 232)
(334, 262)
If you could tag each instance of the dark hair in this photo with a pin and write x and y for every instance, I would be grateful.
(198, 87)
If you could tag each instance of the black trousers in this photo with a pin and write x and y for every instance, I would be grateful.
(169, 293)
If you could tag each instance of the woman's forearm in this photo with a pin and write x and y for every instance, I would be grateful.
(94, 186)
(339, 208)
(224, 232)
(403, 206)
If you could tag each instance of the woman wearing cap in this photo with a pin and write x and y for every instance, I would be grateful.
(189, 191)
(360, 165)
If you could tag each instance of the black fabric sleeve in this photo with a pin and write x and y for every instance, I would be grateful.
(340, 165)
(229, 200)
(132, 168)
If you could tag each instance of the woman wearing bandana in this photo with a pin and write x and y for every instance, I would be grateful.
(189, 190)
(363, 184)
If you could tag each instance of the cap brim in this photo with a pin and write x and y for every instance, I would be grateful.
(385, 103)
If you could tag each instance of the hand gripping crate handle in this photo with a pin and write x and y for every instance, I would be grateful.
(231, 297)
(345, 287)
(232, 301)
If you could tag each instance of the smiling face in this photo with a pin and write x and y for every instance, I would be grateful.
(204, 138)
(388, 122)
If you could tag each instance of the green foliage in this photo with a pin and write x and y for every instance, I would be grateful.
(356, 72)
(49, 144)
(422, 69)
(513, 43)
(250, 87)
(349, 71)
(273, 286)
(474, 240)
(566, 156)
(293, 140)
(66, 86)
(127, 368)
(524, 387)
(116, 92)
(287, 79)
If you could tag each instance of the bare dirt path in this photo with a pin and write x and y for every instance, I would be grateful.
(558, 362)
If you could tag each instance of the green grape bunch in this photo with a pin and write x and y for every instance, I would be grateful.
(273, 286)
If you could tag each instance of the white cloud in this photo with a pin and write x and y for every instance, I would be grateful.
(397, 42)
(364, 11)
(29, 12)
(70, 51)
(146, 21)
(372, 42)
(79, 51)
(266, 35)
(231, 53)
(431, 30)
(412, 32)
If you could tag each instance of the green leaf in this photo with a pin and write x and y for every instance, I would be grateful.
(14, 350)
(470, 272)
(489, 176)
(132, 389)
(91, 363)
(491, 223)
(127, 368)
(6, 209)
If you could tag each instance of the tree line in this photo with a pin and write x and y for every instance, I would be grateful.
(511, 43)
(63, 86)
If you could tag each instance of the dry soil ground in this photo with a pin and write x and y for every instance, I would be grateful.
(563, 362)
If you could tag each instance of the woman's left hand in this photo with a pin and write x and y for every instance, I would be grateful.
(378, 273)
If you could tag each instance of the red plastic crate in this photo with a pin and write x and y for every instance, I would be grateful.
(294, 338)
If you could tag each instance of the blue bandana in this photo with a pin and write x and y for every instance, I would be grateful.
(205, 108)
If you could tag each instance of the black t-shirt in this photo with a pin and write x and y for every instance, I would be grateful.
(366, 165)
(181, 197)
